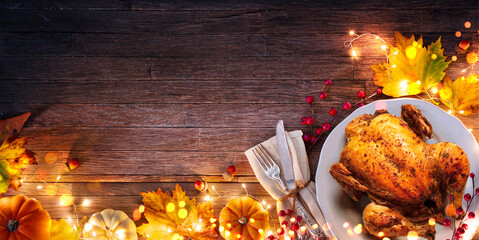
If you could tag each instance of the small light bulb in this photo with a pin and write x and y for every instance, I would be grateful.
(434, 90)
(351, 32)
(384, 47)
(354, 53)
(86, 202)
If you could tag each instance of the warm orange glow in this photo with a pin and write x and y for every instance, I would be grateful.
(351, 32)
(432, 221)
(458, 34)
(454, 58)
(260, 231)
(358, 229)
(350, 232)
(141, 208)
(292, 219)
(170, 207)
(251, 220)
(66, 200)
(227, 233)
(467, 24)
(412, 235)
(291, 233)
(51, 189)
(345, 224)
(181, 204)
(380, 234)
(212, 220)
(136, 215)
(182, 213)
(238, 236)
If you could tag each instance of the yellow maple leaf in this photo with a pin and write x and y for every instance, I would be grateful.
(175, 214)
(411, 68)
(462, 95)
(61, 230)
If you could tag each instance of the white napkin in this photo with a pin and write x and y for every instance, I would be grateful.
(301, 172)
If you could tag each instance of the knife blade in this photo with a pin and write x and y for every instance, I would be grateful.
(284, 155)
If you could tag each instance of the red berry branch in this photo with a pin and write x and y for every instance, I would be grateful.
(311, 136)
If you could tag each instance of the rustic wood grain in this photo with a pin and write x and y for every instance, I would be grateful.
(147, 94)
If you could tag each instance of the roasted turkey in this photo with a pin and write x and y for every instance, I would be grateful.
(408, 180)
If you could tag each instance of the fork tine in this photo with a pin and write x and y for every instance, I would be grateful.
(267, 156)
(260, 159)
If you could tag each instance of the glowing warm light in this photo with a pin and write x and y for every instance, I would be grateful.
(470, 129)
(243, 185)
(461, 111)
(393, 66)
(454, 58)
(432, 221)
(315, 226)
(458, 34)
(251, 220)
(467, 24)
(358, 229)
(268, 207)
(58, 178)
(287, 238)
(88, 227)
(182, 238)
(354, 53)
(66, 200)
(292, 219)
(181, 204)
(170, 207)
(207, 198)
(386, 238)
(260, 231)
(384, 47)
(87, 203)
(39, 187)
(434, 90)
(395, 53)
(51, 189)
(380, 234)
(403, 85)
(238, 235)
(270, 233)
(291, 233)
(228, 225)
(136, 214)
(213, 225)
(450, 111)
(411, 52)
(221, 229)
(433, 56)
(175, 236)
(227, 233)
(303, 228)
(351, 32)
(212, 220)
(418, 82)
(350, 232)
(412, 235)
(345, 224)
(141, 208)
(182, 213)
(414, 43)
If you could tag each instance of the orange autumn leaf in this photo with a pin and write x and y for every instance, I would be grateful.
(175, 214)
(462, 95)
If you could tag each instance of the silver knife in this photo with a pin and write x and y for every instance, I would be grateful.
(285, 155)
(287, 167)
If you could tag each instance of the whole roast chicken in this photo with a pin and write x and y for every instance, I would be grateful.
(408, 180)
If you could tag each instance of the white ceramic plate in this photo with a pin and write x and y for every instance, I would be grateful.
(336, 205)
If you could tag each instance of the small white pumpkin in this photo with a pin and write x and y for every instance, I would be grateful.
(110, 224)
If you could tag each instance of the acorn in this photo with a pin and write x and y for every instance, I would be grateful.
(72, 164)
(201, 186)
(230, 172)
(463, 46)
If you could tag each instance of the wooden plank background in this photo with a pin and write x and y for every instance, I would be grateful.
(152, 93)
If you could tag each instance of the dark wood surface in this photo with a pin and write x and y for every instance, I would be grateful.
(152, 93)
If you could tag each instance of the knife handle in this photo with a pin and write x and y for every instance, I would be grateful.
(309, 221)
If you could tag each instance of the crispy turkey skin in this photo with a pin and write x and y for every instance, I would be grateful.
(406, 178)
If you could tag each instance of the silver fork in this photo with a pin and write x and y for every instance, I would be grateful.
(271, 169)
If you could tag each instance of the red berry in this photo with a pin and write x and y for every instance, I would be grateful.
(327, 82)
(271, 237)
(284, 223)
(326, 126)
(471, 215)
(73, 163)
(319, 131)
(289, 212)
(295, 227)
(299, 218)
(451, 197)
(200, 185)
(472, 175)
(309, 99)
(333, 111)
(303, 120)
(477, 190)
(459, 211)
(231, 169)
(460, 230)
(446, 222)
(323, 95)
(310, 120)
(379, 91)
(306, 138)
(360, 104)
(361, 94)
(467, 197)
(465, 226)
(346, 105)
(280, 231)
(282, 213)
(313, 139)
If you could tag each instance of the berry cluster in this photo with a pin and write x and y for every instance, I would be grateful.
(314, 134)
(291, 225)
(458, 232)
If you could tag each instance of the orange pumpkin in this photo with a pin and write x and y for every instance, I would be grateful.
(243, 218)
(23, 218)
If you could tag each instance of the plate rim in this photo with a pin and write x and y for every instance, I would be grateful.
(407, 100)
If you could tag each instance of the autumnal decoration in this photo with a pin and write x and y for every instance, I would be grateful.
(173, 215)
(411, 67)
(243, 218)
(110, 224)
(72, 164)
(229, 173)
(201, 186)
(462, 95)
(14, 158)
(23, 218)
(61, 230)
(462, 46)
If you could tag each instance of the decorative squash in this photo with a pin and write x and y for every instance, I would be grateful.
(243, 218)
(23, 218)
(110, 225)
